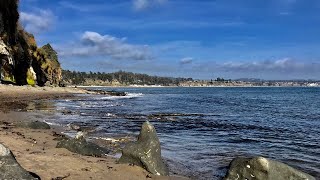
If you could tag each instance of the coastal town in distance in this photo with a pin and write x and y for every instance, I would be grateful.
(252, 83)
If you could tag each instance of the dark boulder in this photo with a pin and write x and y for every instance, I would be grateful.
(110, 93)
(81, 146)
(34, 125)
(146, 152)
(10, 168)
(260, 168)
(116, 93)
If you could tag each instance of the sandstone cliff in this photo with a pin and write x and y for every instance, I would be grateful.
(21, 61)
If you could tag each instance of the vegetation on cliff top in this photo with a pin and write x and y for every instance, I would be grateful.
(117, 78)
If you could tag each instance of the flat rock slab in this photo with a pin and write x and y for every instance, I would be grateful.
(10, 168)
(33, 125)
(260, 168)
(81, 146)
(146, 152)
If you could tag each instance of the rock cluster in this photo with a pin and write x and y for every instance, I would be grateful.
(146, 152)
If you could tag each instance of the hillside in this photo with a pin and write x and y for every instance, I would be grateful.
(120, 78)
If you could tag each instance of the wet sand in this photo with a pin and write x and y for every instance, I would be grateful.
(36, 150)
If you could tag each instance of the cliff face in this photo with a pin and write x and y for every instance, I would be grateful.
(21, 61)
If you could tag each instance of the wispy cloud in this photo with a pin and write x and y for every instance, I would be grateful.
(285, 65)
(191, 24)
(285, 7)
(285, 68)
(186, 60)
(140, 24)
(271, 69)
(94, 6)
(78, 7)
(94, 44)
(37, 22)
(144, 4)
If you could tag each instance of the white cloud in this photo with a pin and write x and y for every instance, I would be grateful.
(37, 22)
(186, 60)
(144, 4)
(93, 44)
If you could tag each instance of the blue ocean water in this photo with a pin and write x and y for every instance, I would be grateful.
(202, 129)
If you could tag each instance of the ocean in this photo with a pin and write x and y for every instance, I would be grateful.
(202, 129)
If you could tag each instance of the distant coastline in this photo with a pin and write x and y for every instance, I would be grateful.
(129, 79)
(191, 86)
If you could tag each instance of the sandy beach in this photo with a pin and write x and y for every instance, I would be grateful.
(36, 150)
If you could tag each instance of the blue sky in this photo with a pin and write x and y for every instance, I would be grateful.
(268, 39)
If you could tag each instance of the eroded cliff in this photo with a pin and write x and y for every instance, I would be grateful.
(21, 60)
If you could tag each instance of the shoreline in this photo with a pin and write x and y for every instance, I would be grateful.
(194, 86)
(36, 150)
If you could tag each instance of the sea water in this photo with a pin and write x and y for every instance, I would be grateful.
(202, 129)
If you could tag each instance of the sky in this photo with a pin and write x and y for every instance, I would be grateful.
(202, 39)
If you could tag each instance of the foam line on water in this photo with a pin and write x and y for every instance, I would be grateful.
(128, 96)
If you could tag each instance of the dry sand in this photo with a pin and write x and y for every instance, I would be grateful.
(35, 149)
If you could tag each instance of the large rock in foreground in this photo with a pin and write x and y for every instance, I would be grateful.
(10, 168)
(81, 146)
(259, 168)
(146, 152)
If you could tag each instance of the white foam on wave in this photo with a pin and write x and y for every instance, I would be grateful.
(128, 96)
(113, 140)
(52, 123)
(110, 115)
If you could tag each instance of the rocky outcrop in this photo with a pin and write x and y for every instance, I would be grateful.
(10, 168)
(54, 71)
(80, 146)
(47, 69)
(260, 168)
(6, 70)
(146, 152)
(21, 61)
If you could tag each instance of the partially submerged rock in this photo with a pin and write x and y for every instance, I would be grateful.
(79, 145)
(116, 93)
(10, 168)
(146, 152)
(110, 93)
(260, 168)
(33, 125)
